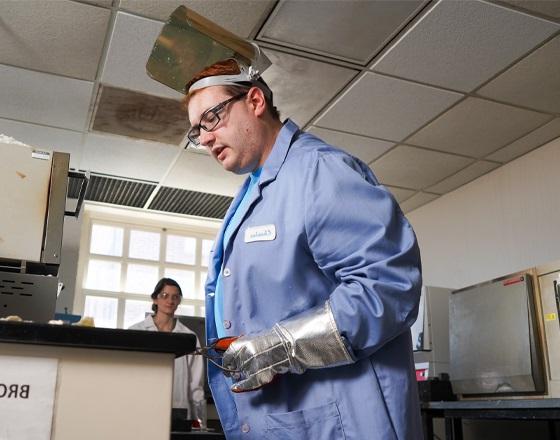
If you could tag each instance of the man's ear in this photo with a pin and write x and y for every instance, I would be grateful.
(257, 101)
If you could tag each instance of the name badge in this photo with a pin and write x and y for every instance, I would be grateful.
(260, 233)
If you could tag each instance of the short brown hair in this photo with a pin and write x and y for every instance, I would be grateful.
(231, 67)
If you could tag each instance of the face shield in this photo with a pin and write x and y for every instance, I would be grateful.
(188, 43)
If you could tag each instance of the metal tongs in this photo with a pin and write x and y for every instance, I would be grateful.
(214, 352)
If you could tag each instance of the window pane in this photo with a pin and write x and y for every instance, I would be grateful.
(202, 311)
(201, 291)
(103, 310)
(180, 249)
(185, 278)
(141, 278)
(206, 248)
(185, 310)
(144, 245)
(135, 311)
(106, 240)
(104, 275)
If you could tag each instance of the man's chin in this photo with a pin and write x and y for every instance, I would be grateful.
(232, 168)
(235, 168)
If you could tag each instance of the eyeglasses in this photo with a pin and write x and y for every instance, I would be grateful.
(210, 119)
(174, 297)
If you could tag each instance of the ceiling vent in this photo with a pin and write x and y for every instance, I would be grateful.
(127, 192)
(182, 201)
(113, 190)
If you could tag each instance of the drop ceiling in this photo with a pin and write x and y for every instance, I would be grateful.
(431, 94)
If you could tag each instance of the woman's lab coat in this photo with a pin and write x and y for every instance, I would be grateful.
(188, 375)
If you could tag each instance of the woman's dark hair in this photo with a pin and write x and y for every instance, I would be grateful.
(159, 287)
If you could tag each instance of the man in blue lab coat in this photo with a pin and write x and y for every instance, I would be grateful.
(318, 270)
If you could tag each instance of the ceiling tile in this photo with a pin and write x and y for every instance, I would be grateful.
(364, 148)
(240, 17)
(302, 86)
(545, 7)
(44, 99)
(52, 139)
(130, 47)
(464, 176)
(125, 157)
(416, 168)
(61, 37)
(461, 44)
(330, 27)
(477, 127)
(416, 201)
(401, 194)
(140, 116)
(386, 108)
(527, 143)
(533, 82)
(199, 172)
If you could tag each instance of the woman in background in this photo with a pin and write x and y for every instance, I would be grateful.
(188, 376)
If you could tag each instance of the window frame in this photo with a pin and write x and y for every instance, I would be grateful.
(200, 229)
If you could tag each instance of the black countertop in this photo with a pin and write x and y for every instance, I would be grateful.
(542, 403)
(102, 338)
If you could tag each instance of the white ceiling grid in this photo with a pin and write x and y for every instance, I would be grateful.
(461, 44)
(431, 94)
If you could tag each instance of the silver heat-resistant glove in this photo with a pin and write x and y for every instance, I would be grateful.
(307, 340)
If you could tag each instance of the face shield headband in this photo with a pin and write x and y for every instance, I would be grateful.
(189, 43)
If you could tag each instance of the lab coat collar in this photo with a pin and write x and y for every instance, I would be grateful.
(279, 152)
(270, 170)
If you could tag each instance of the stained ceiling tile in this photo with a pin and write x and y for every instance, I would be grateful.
(125, 157)
(386, 108)
(61, 37)
(533, 82)
(545, 7)
(461, 44)
(527, 143)
(241, 17)
(330, 27)
(463, 177)
(401, 194)
(44, 99)
(364, 148)
(417, 200)
(140, 116)
(130, 47)
(200, 172)
(52, 139)
(302, 86)
(477, 127)
(415, 168)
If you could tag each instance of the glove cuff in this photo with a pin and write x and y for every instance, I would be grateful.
(312, 340)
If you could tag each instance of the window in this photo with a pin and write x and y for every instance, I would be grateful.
(121, 262)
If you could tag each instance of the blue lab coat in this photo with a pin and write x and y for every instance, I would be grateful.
(319, 226)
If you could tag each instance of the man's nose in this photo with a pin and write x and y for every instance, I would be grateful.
(206, 138)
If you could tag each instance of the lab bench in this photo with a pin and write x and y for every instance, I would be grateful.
(110, 383)
(506, 409)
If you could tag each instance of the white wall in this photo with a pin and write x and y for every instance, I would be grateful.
(505, 221)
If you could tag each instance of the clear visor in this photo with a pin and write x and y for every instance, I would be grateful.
(188, 43)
